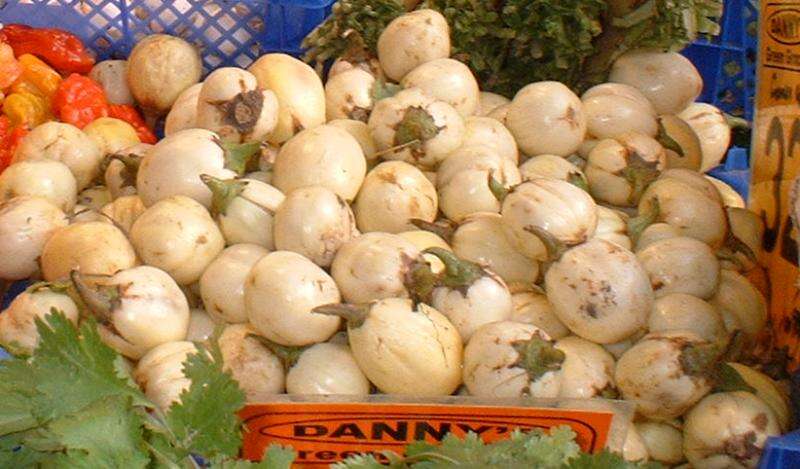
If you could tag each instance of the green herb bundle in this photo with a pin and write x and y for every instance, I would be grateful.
(510, 43)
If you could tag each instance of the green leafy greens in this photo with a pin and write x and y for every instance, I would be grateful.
(510, 43)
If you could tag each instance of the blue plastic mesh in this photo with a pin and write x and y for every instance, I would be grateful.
(728, 62)
(227, 32)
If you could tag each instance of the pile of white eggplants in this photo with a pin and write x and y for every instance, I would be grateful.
(396, 230)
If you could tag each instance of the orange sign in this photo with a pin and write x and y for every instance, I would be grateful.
(324, 433)
(776, 164)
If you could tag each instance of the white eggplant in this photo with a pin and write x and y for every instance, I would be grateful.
(680, 265)
(666, 373)
(174, 166)
(552, 167)
(509, 359)
(201, 326)
(730, 198)
(619, 170)
(112, 76)
(472, 179)
(245, 209)
(111, 135)
(600, 291)
(95, 197)
(713, 130)
(325, 156)
(689, 208)
(96, 247)
(64, 143)
(741, 305)
(500, 113)
(183, 114)
(728, 430)
(613, 109)
(682, 312)
(587, 370)
(18, 331)
(681, 143)
(50, 180)
(446, 80)
(547, 208)
(122, 168)
(769, 391)
(160, 373)
(26, 224)
(280, 293)
(137, 308)
(232, 105)
(547, 118)
(488, 102)
(416, 128)
(349, 95)
(480, 238)
(222, 283)
(468, 295)
(327, 368)
(612, 226)
(393, 193)
(654, 233)
(160, 68)
(301, 97)
(124, 211)
(315, 222)
(258, 371)
(403, 349)
(532, 307)
(411, 40)
(667, 79)
(360, 131)
(663, 441)
(490, 132)
(373, 266)
(178, 236)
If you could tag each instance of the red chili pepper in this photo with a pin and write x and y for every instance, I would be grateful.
(60, 49)
(129, 114)
(10, 138)
(79, 100)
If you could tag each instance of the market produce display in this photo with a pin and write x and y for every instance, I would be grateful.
(395, 228)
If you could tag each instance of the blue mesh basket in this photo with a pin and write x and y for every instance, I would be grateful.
(227, 32)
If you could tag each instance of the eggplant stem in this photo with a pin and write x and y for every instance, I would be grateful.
(420, 280)
(287, 354)
(458, 273)
(555, 248)
(354, 314)
(223, 192)
(538, 356)
(239, 156)
(577, 180)
(100, 302)
(637, 225)
(442, 228)
(417, 125)
(499, 191)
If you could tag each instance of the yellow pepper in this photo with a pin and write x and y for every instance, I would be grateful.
(25, 108)
(37, 77)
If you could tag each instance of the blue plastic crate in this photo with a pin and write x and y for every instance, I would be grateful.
(727, 62)
(227, 32)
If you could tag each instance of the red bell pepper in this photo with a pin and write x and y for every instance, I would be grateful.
(62, 50)
(10, 138)
(79, 100)
(129, 114)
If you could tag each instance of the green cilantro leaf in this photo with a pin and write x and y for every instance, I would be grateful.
(205, 420)
(73, 369)
(107, 433)
(607, 460)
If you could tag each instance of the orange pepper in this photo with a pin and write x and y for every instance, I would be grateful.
(37, 77)
(10, 68)
(26, 109)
